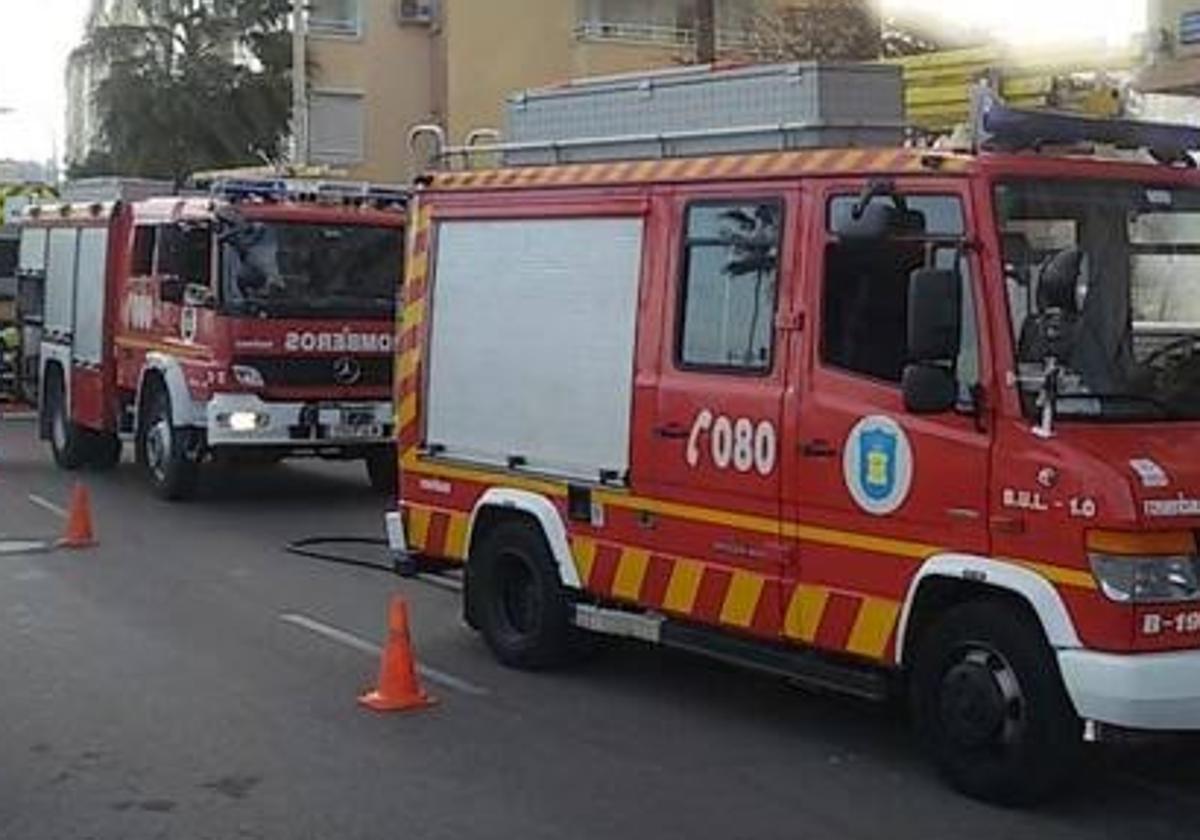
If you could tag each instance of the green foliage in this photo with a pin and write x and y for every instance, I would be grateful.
(192, 85)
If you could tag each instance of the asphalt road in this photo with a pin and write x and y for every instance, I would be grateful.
(187, 678)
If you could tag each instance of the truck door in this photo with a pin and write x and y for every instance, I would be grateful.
(874, 489)
(711, 451)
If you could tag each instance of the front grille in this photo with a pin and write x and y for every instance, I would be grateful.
(290, 372)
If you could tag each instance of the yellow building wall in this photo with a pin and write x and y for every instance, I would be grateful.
(390, 65)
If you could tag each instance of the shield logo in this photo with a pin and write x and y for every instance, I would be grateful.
(877, 463)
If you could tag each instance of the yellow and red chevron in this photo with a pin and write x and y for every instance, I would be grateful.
(719, 168)
(437, 532)
(410, 327)
(740, 599)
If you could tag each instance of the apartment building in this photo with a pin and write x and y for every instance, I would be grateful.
(1174, 49)
(379, 67)
(83, 72)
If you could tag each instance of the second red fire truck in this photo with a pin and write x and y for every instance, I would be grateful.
(251, 324)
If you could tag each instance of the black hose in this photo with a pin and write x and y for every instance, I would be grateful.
(304, 548)
(405, 565)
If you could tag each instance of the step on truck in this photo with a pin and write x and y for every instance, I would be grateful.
(247, 325)
(885, 420)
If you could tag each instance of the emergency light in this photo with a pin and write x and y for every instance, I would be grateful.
(998, 126)
(271, 190)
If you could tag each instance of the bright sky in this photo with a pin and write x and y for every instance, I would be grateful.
(36, 35)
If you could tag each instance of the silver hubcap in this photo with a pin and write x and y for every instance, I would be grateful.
(59, 428)
(158, 447)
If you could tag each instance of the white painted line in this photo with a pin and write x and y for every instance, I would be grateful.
(23, 547)
(441, 581)
(18, 415)
(46, 504)
(350, 640)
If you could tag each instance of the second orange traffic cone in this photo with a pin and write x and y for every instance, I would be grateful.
(79, 533)
(399, 689)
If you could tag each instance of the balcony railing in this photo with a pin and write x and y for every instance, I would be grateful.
(647, 33)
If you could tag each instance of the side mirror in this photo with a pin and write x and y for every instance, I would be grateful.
(170, 289)
(929, 388)
(1059, 284)
(934, 337)
(934, 315)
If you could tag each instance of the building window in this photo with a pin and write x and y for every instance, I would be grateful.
(1189, 28)
(730, 268)
(336, 127)
(334, 17)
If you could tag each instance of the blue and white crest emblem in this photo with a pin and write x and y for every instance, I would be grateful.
(877, 465)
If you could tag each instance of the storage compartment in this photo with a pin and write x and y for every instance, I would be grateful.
(531, 348)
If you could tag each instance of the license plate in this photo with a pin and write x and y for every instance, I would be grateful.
(369, 430)
(358, 423)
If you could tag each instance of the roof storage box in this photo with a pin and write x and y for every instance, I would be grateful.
(707, 110)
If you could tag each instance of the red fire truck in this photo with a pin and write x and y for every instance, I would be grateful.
(251, 324)
(874, 419)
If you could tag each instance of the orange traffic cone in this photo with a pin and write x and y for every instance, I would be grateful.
(399, 689)
(79, 520)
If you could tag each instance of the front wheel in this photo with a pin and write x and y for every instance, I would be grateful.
(169, 454)
(991, 707)
(68, 442)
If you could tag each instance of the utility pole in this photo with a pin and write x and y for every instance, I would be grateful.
(299, 85)
(706, 31)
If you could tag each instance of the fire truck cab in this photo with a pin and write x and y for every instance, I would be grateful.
(252, 324)
(874, 419)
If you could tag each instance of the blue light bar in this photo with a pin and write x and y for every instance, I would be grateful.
(998, 126)
(279, 189)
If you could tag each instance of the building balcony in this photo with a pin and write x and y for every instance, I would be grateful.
(651, 34)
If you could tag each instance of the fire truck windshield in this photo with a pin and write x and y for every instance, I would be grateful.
(1103, 282)
(289, 269)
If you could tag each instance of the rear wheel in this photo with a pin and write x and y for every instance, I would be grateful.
(517, 599)
(68, 441)
(169, 454)
(382, 470)
(105, 451)
(991, 707)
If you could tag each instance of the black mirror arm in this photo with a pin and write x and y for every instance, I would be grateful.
(875, 188)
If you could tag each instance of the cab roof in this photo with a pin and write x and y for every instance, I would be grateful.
(829, 162)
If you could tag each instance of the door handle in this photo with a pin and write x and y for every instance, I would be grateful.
(818, 448)
(671, 431)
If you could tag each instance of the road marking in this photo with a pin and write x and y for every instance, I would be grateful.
(358, 643)
(441, 581)
(46, 504)
(23, 547)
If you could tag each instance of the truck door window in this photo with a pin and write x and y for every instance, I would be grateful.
(184, 252)
(143, 251)
(728, 291)
(865, 296)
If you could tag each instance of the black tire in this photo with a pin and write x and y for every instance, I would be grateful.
(169, 454)
(990, 705)
(68, 441)
(517, 599)
(383, 471)
(104, 451)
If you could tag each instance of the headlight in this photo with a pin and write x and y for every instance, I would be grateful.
(243, 421)
(1144, 580)
(248, 377)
